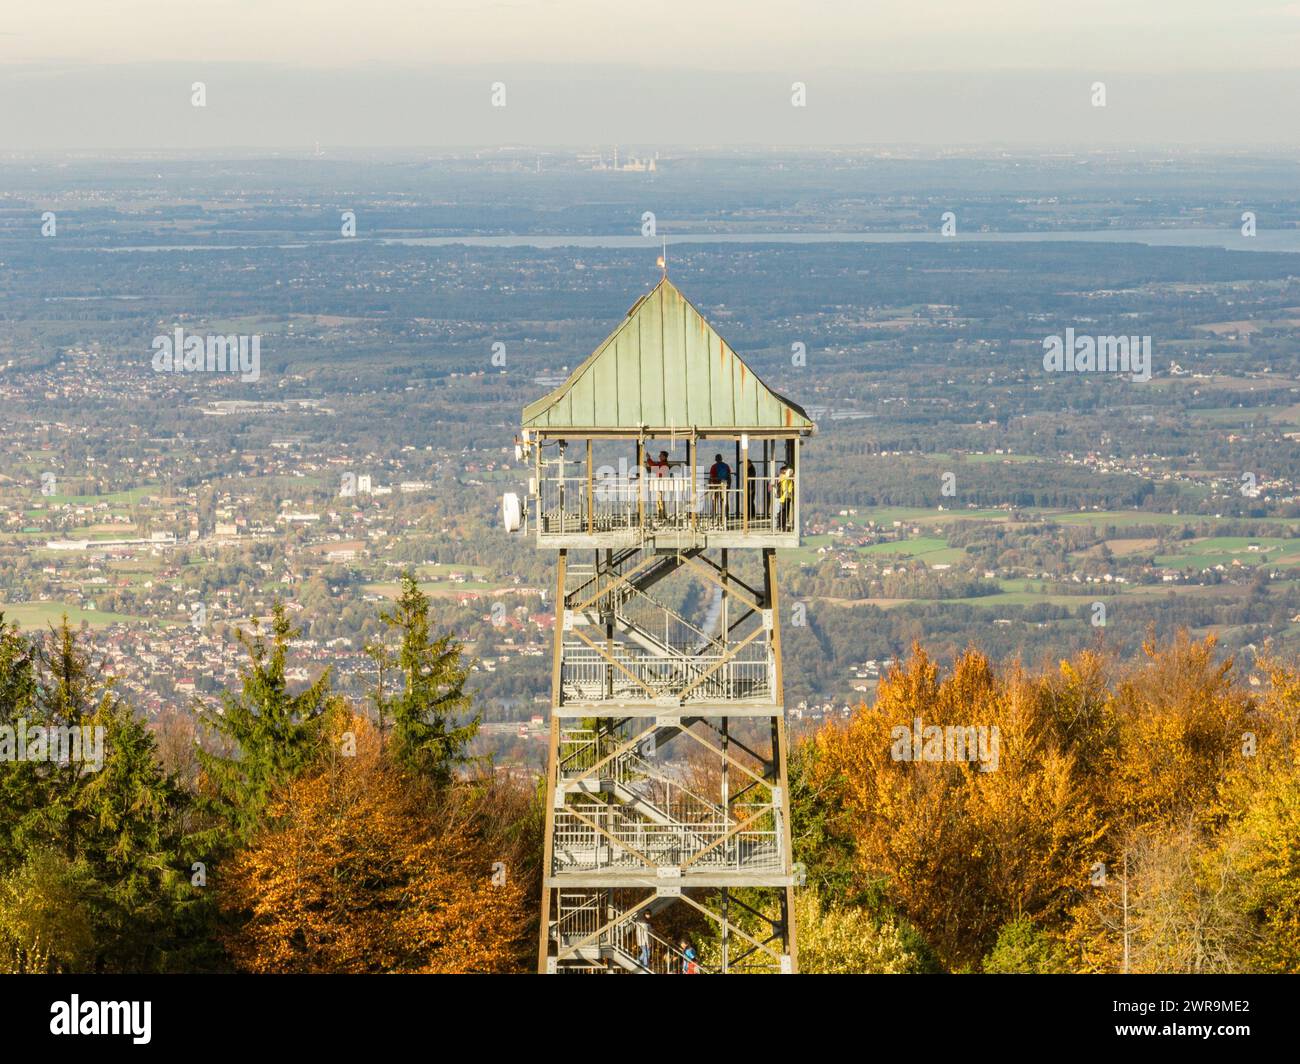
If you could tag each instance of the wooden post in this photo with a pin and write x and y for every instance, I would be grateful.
(692, 455)
(767, 483)
(559, 473)
(726, 923)
(726, 809)
(779, 742)
(609, 625)
(741, 493)
(744, 485)
(591, 510)
(793, 447)
(724, 629)
(791, 946)
(538, 471)
(770, 601)
(641, 485)
(552, 767)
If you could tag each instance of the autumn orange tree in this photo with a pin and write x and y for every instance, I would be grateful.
(362, 869)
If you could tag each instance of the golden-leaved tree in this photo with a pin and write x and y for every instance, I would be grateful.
(959, 849)
(1189, 749)
(1137, 818)
(1181, 723)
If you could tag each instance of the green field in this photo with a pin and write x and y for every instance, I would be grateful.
(432, 588)
(993, 458)
(31, 615)
(441, 571)
(133, 495)
(1224, 550)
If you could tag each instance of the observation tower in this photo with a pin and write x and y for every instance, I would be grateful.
(665, 474)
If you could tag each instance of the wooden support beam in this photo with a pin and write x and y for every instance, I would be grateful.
(727, 757)
(744, 481)
(692, 452)
(771, 595)
(708, 573)
(557, 654)
(718, 568)
(618, 751)
(733, 625)
(552, 762)
(548, 853)
(735, 930)
(771, 922)
(724, 732)
(622, 578)
(779, 741)
(571, 951)
(640, 483)
(734, 829)
(783, 815)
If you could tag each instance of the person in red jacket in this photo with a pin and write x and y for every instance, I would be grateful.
(659, 469)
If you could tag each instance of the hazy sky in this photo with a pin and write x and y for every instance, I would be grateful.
(116, 73)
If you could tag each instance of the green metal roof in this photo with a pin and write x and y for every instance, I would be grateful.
(664, 368)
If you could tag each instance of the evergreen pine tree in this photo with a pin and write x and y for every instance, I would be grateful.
(428, 738)
(20, 785)
(268, 735)
(108, 821)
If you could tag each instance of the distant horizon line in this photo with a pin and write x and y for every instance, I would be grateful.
(1030, 149)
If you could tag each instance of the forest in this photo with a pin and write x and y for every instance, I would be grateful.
(1144, 816)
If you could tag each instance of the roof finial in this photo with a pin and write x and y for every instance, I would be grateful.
(663, 259)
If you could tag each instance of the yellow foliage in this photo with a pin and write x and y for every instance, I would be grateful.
(1181, 723)
(1268, 856)
(963, 850)
(1170, 772)
(848, 940)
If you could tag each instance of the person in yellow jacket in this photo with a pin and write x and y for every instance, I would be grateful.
(784, 491)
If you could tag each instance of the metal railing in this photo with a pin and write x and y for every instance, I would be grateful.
(623, 841)
(570, 505)
(660, 956)
(641, 780)
(587, 675)
(578, 918)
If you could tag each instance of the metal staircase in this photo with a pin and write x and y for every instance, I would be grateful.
(599, 948)
(653, 797)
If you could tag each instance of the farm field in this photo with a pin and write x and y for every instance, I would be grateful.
(31, 615)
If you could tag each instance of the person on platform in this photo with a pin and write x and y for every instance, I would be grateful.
(784, 489)
(751, 474)
(719, 485)
(657, 470)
